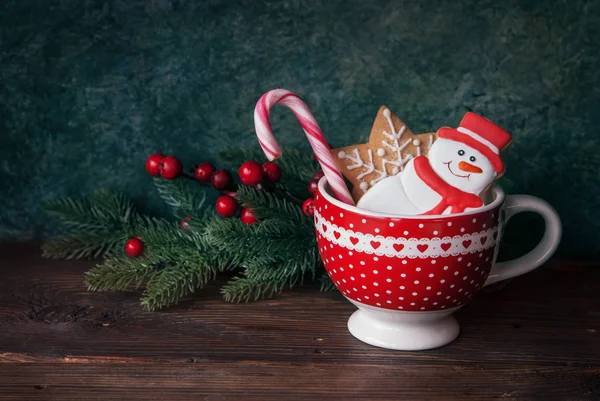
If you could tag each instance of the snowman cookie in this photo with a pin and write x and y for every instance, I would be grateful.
(391, 146)
(459, 166)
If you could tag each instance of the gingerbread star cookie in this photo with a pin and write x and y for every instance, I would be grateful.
(391, 145)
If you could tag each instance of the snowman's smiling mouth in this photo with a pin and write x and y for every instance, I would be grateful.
(458, 175)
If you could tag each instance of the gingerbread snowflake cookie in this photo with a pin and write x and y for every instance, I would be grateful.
(391, 145)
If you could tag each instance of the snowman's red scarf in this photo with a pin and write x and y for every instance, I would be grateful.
(452, 197)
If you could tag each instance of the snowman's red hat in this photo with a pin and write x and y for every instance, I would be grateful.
(480, 134)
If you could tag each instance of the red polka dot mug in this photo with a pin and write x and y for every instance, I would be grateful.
(408, 274)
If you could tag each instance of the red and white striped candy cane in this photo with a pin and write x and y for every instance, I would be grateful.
(315, 136)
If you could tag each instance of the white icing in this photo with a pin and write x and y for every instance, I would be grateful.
(417, 192)
(375, 169)
(388, 196)
(356, 159)
(369, 166)
(446, 150)
(479, 139)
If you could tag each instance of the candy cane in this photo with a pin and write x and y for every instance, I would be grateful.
(315, 136)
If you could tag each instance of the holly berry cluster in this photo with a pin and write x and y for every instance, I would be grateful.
(251, 173)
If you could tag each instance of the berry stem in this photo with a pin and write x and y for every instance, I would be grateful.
(288, 194)
(191, 177)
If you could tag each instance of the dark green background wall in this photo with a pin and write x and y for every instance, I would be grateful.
(90, 88)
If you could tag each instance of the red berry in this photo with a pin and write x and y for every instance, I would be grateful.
(134, 247)
(272, 171)
(204, 171)
(247, 216)
(221, 179)
(251, 173)
(171, 168)
(318, 175)
(153, 164)
(183, 224)
(226, 206)
(308, 207)
(312, 187)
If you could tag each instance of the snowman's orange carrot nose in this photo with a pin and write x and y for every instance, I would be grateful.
(469, 168)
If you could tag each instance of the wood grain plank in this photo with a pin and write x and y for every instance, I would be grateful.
(284, 381)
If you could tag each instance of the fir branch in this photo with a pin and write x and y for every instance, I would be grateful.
(175, 282)
(82, 246)
(92, 226)
(272, 237)
(185, 197)
(243, 289)
(102, 210)
(326, 284)
(266, 205)
(119, 273)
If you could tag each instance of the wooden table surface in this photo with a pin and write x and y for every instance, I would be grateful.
(538, 338)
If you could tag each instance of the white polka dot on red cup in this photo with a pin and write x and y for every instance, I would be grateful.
(421, 225)
(428, 288)
(364, 287)
(405, 232)
(416, 281)
(341, 214)
(388, 292)
(403, 275)
(402, 287)
(404, 262)
(389, 267)
(351, 225)
(389, 280)
(435, 233)
(431, 274)
(391, 224)
(474, 220)
(364, 220)
(445, 267)
(418, 269)
(449, 224)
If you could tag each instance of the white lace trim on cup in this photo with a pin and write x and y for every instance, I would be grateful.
(403, 247)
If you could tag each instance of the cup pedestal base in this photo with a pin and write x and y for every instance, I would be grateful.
(406, 331)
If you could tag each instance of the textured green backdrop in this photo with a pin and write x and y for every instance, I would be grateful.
(90, 88)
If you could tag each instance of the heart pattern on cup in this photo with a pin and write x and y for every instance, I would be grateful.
(406, 264)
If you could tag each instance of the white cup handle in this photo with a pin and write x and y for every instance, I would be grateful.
(544, 249)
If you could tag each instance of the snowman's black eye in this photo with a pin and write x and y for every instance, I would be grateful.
(472, 158)
(461, 152)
